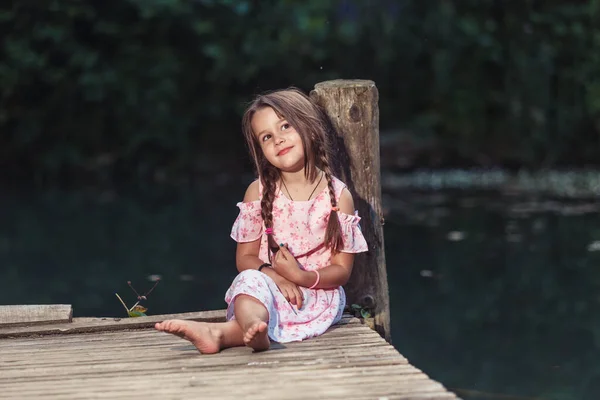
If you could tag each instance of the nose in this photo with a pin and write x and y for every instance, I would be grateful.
(279, 139)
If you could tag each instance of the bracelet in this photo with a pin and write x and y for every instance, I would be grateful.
(264, 265)
(317, 281)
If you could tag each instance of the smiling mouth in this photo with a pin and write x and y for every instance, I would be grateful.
(284, 151)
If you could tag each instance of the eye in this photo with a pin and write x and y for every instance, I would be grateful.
(266, 137)
(285, 126)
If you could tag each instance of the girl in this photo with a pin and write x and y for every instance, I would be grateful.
(296, 233)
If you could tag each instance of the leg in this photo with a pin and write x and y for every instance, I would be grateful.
(252, 317)
(207, 337)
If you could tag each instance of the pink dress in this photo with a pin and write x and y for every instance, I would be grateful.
(300, 224)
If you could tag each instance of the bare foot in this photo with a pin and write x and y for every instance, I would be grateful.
(255, 336)
(207, 339)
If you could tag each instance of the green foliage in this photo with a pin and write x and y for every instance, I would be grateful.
(138, 88)
(512, 80)
(360, 311)
(135, 314)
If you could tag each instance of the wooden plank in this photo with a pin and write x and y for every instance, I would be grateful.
(352, 108)
(89, 325)
(114, 372)
(249, 381)
(117, 377)
(15, 315)
(235, 385)
(147, 347)
(93, 325)
(135, 360)
(144, 333)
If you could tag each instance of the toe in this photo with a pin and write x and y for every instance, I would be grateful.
(250, 331)
(247, 338)
(173, 327)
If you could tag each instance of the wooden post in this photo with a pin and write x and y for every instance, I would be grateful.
(352, 108)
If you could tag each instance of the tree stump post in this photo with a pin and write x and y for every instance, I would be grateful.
(352, 108)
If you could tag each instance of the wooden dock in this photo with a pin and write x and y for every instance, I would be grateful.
(93, 358)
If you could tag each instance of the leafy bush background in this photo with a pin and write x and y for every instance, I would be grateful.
(132, 89)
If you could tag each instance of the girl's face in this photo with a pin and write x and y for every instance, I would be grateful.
(280, 142)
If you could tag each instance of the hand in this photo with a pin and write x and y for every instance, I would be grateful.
(290, 291)
(285, 264)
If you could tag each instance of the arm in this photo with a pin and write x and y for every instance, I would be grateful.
(334, 275)
(338, 272)
(246, 254)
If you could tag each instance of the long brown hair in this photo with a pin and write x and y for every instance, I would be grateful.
(309, 121)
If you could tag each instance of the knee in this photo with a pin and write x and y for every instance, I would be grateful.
(249, 275)
(254, 277)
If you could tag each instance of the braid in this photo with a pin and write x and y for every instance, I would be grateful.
(311, 123)
(333, 233)
(269, 177)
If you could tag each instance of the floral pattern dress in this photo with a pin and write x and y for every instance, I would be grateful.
(300, 224)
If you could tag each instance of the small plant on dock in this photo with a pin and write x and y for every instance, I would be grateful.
(360, 311)
(137, 310)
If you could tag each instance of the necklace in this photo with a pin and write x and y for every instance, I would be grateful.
(311, 193)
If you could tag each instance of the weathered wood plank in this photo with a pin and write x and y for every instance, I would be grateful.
(151, 349)
(318, 356)
(257, 374)
(364, 374)
(88, 325)
(30, 314)
(235, 387)
(149, 336)
(147, 362)
(92, 325)
(246, 383)
(133, 334)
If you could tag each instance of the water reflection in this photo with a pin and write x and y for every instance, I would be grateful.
(498, 295)
(491, 296)
(79, 248)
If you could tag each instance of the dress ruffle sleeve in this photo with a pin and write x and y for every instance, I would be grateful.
(354, 241)
(248, 225)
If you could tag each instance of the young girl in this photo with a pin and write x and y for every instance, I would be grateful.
(296, 233)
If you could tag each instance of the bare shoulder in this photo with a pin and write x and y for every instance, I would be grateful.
(251, 192)
(346, 202)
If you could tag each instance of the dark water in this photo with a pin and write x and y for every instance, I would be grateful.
(492, 296)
